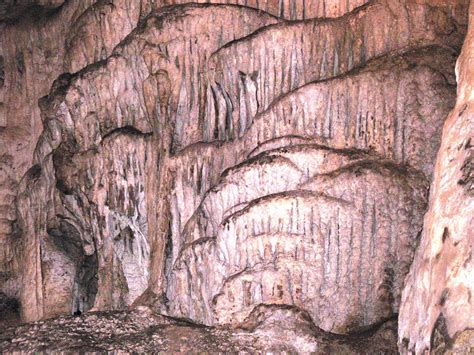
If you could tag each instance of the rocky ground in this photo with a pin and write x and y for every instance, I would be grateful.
(142, 331)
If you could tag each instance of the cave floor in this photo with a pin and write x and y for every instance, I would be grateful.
(146, 332)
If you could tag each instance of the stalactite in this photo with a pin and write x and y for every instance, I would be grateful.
(260, 164)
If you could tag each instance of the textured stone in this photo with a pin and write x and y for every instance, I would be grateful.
(145, 332)
(437, 308)
(315, 50)
(31, 56)
(320, 241)
(221, 164)
(90, 143)
(147, 87)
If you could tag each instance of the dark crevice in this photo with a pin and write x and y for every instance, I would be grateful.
(15, 13)
(125, 130)
(87, 281)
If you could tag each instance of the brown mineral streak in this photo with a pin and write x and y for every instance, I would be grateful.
(258, 165)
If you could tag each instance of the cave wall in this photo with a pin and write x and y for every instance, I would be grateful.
(437, 310)
(33, 53)
(211, 159)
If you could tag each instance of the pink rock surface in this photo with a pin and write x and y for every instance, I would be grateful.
(437, 310)
(225, 164)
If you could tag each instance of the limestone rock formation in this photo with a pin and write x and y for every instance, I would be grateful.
(80, 157)
(437, 310)
(259, 165)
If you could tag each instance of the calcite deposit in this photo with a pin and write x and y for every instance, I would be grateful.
(437, 310)
(258, 169)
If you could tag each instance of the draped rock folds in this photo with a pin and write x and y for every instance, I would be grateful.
(217, 161)
(99, 127)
